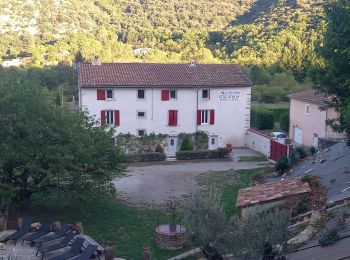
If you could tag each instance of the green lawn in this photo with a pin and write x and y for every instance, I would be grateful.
(110, 223)
(256, 158)
(229, 183)
(128, 229)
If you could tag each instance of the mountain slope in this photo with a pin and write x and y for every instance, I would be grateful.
(262, 32)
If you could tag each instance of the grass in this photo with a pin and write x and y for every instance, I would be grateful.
(256, 158)
(110, 223)
(229, 183)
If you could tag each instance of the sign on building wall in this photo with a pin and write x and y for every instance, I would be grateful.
(229, 95)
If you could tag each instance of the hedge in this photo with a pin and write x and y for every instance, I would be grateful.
(208, 154)
(278, 112)
(261, 119)
(146, 157)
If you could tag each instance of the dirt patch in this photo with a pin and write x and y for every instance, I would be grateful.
(154, 185)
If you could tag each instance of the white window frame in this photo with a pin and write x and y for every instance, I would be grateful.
(144, 94)
(110, 117)
(205, 117)
(174, 91)
(111, 98)
(307, 109)
(141, 117)
(138, 132)
(208, 94)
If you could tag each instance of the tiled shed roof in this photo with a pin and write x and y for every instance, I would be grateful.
(264, 193)
(311, 96)
(160, 75)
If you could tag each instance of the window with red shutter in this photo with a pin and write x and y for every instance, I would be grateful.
(172, 120)
(165, 94)
(103, 118)
(116, 117)
(101, 94)
(212, 116)
(199, 117)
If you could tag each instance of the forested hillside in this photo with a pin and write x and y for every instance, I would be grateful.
(262, 32)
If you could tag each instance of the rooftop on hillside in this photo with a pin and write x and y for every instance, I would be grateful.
(160, 75)
(264, 193)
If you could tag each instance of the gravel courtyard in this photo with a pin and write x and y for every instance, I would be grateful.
(154, 185)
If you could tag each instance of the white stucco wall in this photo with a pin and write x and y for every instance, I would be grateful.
(232, 118)
(258, 142)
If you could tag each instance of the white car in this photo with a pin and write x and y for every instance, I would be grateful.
(279, 137)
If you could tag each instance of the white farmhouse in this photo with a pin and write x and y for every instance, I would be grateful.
(140, 98)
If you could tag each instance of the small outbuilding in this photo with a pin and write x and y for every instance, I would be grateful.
(261, 197)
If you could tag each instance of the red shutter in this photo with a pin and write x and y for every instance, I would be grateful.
(165, 94)
(199, 117)
(103, 118)
(116, 117)
(175, 117)
(101, 94)
(171, 117)
(212, 116)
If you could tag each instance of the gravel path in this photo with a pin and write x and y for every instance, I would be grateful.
(154, 185)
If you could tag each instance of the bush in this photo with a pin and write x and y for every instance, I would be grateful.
(284, 122)
(301, 151)
(329, 237)
(146, 157)
(159, 148)
(262, 119)
(282, 165)
(209, 154)
(186, 144)
(312, 150)
(293, 158)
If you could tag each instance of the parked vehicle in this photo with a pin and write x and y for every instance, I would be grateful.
(280, 137)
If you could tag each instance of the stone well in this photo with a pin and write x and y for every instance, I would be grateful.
(170, 236)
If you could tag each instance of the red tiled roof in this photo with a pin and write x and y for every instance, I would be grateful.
(311, 96)
(271, 191)
(153, 74)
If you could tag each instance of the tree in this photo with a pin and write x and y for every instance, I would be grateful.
(45, 148)
(206, 223)
(334, 78)
(262, 231)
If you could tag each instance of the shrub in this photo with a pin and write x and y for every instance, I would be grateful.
(262, 119)
(329, 237)
(186, 144)
(146, 157)
(284, 122)
(293, 158)
(282, 165)
(312, 150)
(301, 151)
(303, 205)
(159, 148)
(191, 155)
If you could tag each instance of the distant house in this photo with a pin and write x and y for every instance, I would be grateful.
(261, 197)
(15, 62)
(142, 51)
(308, 115)
(142, 98)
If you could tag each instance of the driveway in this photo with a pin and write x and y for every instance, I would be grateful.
(154, 185)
